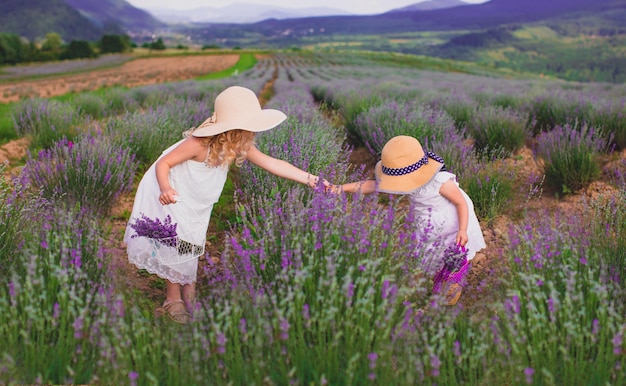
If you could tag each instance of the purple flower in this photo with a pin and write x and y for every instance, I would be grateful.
(56, 311)
(221, 343)
(132, 377)
(457, 348)
(528, 372)
(284, 329)
(372, 358)
(454, 257)
(305, 312)
(435, 362)
(78, 327)
(164, 232)
(617, 343)
(551, 305)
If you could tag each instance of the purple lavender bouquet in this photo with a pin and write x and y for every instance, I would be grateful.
(455, 266)
(163, 232)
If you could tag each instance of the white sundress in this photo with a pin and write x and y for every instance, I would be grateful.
(438, 222)
(199, 188)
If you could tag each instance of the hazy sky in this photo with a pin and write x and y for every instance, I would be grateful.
(354, 6)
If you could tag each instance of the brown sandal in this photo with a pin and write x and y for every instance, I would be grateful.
(453, 294)
(175, 314)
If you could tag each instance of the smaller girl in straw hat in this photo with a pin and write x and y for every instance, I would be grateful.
(167, 229)
(446, 221)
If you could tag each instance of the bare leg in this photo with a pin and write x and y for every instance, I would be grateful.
(189, 295)
(172, 292)
(173, 306)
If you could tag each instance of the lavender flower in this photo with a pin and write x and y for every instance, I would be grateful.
(454, 258)
(163, 232)
(528, 372)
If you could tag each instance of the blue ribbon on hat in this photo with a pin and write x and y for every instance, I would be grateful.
(415, 166)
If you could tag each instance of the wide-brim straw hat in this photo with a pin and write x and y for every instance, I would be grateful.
(404, 166)
(238, 108)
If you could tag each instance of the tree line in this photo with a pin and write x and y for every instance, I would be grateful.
(15, 49)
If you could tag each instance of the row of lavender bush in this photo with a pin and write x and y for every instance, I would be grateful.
(312, 288)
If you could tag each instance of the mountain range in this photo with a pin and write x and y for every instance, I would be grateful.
(239, 13)
(468, 17)
(430, 5)
(89, 19)
(73, 19)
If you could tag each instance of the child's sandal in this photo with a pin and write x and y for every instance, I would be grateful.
(175, 314)
(453, 294)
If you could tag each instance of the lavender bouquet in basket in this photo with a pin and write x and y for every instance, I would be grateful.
(163, 232)
(455, 266)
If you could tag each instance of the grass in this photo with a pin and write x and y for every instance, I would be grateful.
(7, 130)
(246, 62)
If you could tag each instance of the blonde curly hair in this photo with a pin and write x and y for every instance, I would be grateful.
(228, 147)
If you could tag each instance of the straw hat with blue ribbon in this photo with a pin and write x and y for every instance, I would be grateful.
(404, 166)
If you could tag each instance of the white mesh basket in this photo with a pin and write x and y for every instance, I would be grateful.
(179, 249)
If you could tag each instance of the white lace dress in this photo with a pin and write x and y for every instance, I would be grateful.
(438, 222)
(199, 188)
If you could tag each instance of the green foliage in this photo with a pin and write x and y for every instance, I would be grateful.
(91, 173)
(91, 104)
(496, 129)
(489, 38)
(378, 124)
(609, 234)
(551, 110)
(145, 133)
(13, 203)
(12, 50)
(53, 42)
(570, 156)
(354, 104)
(608, 116)
(560, 318)
(114, 43)
(157, 45)
(491, 190)
(119, 101)
(55, 302)
(47, 121)
(7, 125)
(78, 49)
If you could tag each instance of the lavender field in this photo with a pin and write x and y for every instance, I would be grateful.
(304, 287)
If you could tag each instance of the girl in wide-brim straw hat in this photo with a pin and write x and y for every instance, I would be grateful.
(193, 172)
(445, 213)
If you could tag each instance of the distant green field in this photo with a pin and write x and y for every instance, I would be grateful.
(582, 49)
(246, 62)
